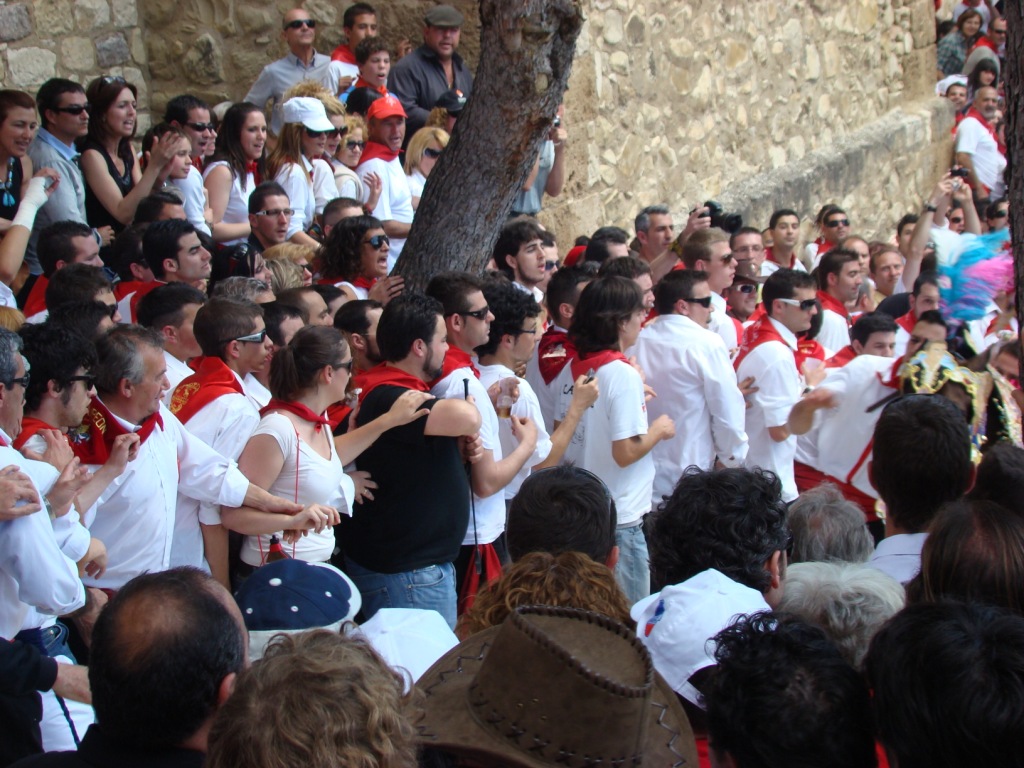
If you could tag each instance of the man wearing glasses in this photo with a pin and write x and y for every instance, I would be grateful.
(769, 355)
(302, 63)
(270, 213)
(708, 250)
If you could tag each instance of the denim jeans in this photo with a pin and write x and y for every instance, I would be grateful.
(52, 641)
(633, 571)
(431, 588)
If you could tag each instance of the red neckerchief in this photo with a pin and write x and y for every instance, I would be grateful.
(894, 379)
(907, 321)
(93, 440)
(808, 349)
(197, 163)
(364, 282)
(824, 246)
(374, 150)
(344, 53)
(36, 301)
(769, 253)
(253, 167)
(138, 289)
(486, 557)
(339, 411)
(212, 379)
(553, 352)
(828, 301)
(972, 112)
(841, 358)
(983, 42)
(3, 443)
(454, 360)
(386, 375)
(757, 314)
(304, 412)
(582, 364)
(29, 427)
(360, 83)
(761, 332)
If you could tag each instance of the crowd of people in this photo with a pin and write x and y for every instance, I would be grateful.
(700, 497)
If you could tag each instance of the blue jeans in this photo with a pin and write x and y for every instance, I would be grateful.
(633, 571)
(52, 641)
(431, 588)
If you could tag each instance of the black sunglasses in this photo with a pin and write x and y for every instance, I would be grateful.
(999, 214)
(333, 133)
(89, 379)
(550, 265)
(478, 314)
(745, 287)
(108, 79)
(110, 309)
(355, 144)
(200, 127)
(299, 23)
(23, 380)
(432, 153)
(704, 301)
(346, 365)
(837, 223)
(252, 338)
(74, 109)
(377, 241)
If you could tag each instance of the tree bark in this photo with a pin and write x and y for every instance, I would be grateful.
(526, 52)
(1014, 79)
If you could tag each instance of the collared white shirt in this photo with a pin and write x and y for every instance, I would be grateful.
(299, 187)
(177, 372)
(490, 510)
(722, 324)
(899, 556)
(688, 366)
(537, 293)
(278, 76)
(135, 515)
(526, 406)
(395, 203)
(779, 385)
(324, 188)
(547, 394)
(256, 391)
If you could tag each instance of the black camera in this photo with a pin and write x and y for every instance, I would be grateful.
(958, 173)
(721, 218)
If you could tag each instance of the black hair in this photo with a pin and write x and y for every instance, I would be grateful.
(126, 249)
(511, 307)
(177, 108)
(564, 288)
(743, 231)
(513, 236)
(351, 316)
(327, 292)
(677, 284)
(910, 218)
(55, 244)
(933, 317)
(228, 146)
(452, 289)
(925, 278)
(49, 93)
(165, 305)
(369, 46)
(341, 254)
(732, 520)
(630, 267)
(162, 240)
(76, 282)
(869, 323)
(219, 321)
(83, 318)
(151, 207)
(832, 263)
(275, 313)
(562, 509)
(783, 284)
(405, 319)
(603, 306)
(597, 247)
(54, 353)
(1000, 477)
(354, 11)
(259, 195)
(776, 215)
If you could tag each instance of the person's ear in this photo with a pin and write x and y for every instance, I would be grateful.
(226, 688)
(774, 568)
(125, 388)
(857, 347)
(613, 558)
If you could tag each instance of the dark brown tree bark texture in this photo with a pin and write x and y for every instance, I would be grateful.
(526, 52)
(1014, 10)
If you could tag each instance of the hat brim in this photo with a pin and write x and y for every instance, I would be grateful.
(317, 123)
(446, 722)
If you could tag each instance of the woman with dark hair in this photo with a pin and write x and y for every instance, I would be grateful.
(355, 259)
(613, 439)
(985, 73)
(952, 49)
(236, 168)
(114, 183)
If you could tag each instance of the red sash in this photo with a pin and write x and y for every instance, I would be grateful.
(808, 349)
(386, 375)
(304, 412)
(364, 282)
(344, 53)
(374, 151)
(582, 364)
(29, 427)
(828, 301)
(841, 358)
(454, 360)
(93, 440)
(553, 352)
(36, 301)
(212, 379)
(907, 321)
(761, 332)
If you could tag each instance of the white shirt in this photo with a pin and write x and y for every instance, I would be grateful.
(256, 391)
(490, 510)
(619, 413)
(688, 366)
(526, 406)
(547, 394)
(324, 188)
(779, 385)
(237, 210)
(336, 70)
(300, 195)
(899, 556)
(33, 570)
(135, 515)
(722, 324)
(974, 139)
(395, 203)
(834, 333)
(416, 183)
(194, 198)
(177, 372)
(306, 478)
(225, 424)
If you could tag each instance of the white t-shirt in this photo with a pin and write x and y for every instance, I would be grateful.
(619, 413)
(526, 406)
(300, 195)
(395, 203)
(194, 198)
(688, 366)
(773, 367)
(306, 478)
(237, 210)
(973, 139)
(834, 333)
(490, 510)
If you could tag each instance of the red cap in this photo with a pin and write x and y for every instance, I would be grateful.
(386, 107)
(574, 255)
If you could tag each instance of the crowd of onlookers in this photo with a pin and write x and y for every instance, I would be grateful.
(694, 496)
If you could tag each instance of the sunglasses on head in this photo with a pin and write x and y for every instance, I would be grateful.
(704, 301)
(433, 153)
(74, 109)
(109, 79)
(299, 23)
(837, 223)
(201, 127)
(377, 241)
(805, 306)
(351, 144)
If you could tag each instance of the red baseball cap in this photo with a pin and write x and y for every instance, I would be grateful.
(386, 107)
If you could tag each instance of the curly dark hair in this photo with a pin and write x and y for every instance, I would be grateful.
(55, 353)
(782, 694)
(511, 308)
(732, 520)
(341, 255)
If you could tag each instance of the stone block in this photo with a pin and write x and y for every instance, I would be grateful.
(126, 13)
(15, 22)
(612, 28)
(112, 50)
(812, 64)
(93, 14)
(255, 19)
(619, 62)
(54, 16)
(326, 12)
(137, 43)
(204, 61)
(635, 30)
(31, 67)
(78, 53)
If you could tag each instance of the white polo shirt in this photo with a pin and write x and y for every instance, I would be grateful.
(834, 333)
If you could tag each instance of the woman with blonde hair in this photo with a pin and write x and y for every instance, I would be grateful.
(301, 256)
(424, 148)
(284, 275)
(325, 188)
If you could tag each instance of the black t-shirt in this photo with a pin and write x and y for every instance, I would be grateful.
(420, 510)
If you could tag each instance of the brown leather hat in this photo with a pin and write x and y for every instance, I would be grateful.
(747, 270)
(554, 686)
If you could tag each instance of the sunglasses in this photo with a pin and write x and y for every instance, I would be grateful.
(377, 241)
(432, 153)
(74, 109)
(110, 309)
(23, 380)
(201, 127)
(333, 133)
(478, 314)
(252, 338)
(275, 212)
(745, 287)
(299, 23)
(837, 223)
(958, 220)
(109, 79)
(704, 301)
(805, 306)
(350, 144)
(999, 215)
(550, 266)
(89, 379)
(346, 365)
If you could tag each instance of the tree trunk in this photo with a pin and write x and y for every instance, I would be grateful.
(1014, 78)
(526, 52)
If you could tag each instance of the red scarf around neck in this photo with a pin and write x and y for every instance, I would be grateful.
(36, 301)
(972, 112)
(907, 321)
(344, 54)
(456, 359)
(253, 167)
(93, 441)
(386, 375)
(828, 301)
(304, 412)
(212, 379)
(761, 332)
(374, 150)
(808, 349)
(769, 253)
(30, 426)
(365, 283)
(582, 364)
(553, 352)
(361, 83)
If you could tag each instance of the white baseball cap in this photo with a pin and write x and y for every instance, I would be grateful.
(309, 112)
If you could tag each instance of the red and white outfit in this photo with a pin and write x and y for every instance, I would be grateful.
(177, 372)
(770, 265)
(835, 324)
(975, 137)
(904, 327)
(817, 249)
(395, 203)
(553, 353)
(769, 354)
(688, 366)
